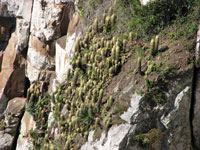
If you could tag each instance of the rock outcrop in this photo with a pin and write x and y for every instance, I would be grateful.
(37, 44)
(10, 123)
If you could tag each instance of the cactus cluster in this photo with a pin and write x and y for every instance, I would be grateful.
(154, 46)
(81, 97)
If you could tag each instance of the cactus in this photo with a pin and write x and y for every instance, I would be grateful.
(108, 123)
(110, 12)
(90, 111)
(90, 29)
(95, 25)
(152, 49)
(77, 46)
(75, 78)
(117, 53)
(28, 94)
(111, 71)
(107, 21)
(100, 95)
(67, 145)
(130, 36)
(113, 20)
(124, 45)
(104, 18)
(86, 40)
(156, 43)
(94, 97)
(68, 73)
(113, 53)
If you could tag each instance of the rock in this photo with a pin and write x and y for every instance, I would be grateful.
(115, 140)
(49, 22)
(132, 112)
(12, 75)
(3, 103)
(196, 112)
(13, 113)
(6, 141)
(144, 2)
(37, 58)
(65, 48)
(15, 106)
(27, 123)
(1, 58)
(6, 27)
(47, 19)
(197, 49)
(178, 121)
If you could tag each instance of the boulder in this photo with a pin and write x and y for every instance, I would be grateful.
(115, 139)
(6, 141)
(27, 123)
(12, 75)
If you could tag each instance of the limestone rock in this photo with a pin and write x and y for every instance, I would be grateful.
(178, 121)
(27, 124)
(115, 140)
(133, 111)
(49, 22)
(65, 48)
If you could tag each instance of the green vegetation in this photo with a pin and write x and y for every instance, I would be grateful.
(149, 139)
(154, 17)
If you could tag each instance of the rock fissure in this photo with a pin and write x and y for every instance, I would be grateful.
(193, 100)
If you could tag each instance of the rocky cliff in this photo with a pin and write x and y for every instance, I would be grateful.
(99, 75)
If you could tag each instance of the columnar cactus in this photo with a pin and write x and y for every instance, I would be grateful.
(130, 36)
(75, 78)
(107, 21)
(113, 20)
(152, 49)
(156, 43)
(95, 25)
(104, 18)
(77, 46)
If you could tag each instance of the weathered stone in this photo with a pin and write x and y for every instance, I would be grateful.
(15, 106)
(115, 140)
(12, 77)
(196, 112)
(178, 121)
(6, 141)
(65, 49)
(27, 123)
(132, 112)
(197, 49)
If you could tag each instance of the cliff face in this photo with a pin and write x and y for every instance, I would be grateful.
(90, 83)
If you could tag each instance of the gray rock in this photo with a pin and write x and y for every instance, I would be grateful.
(115, 140)
(196, 113)
(5, 141)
